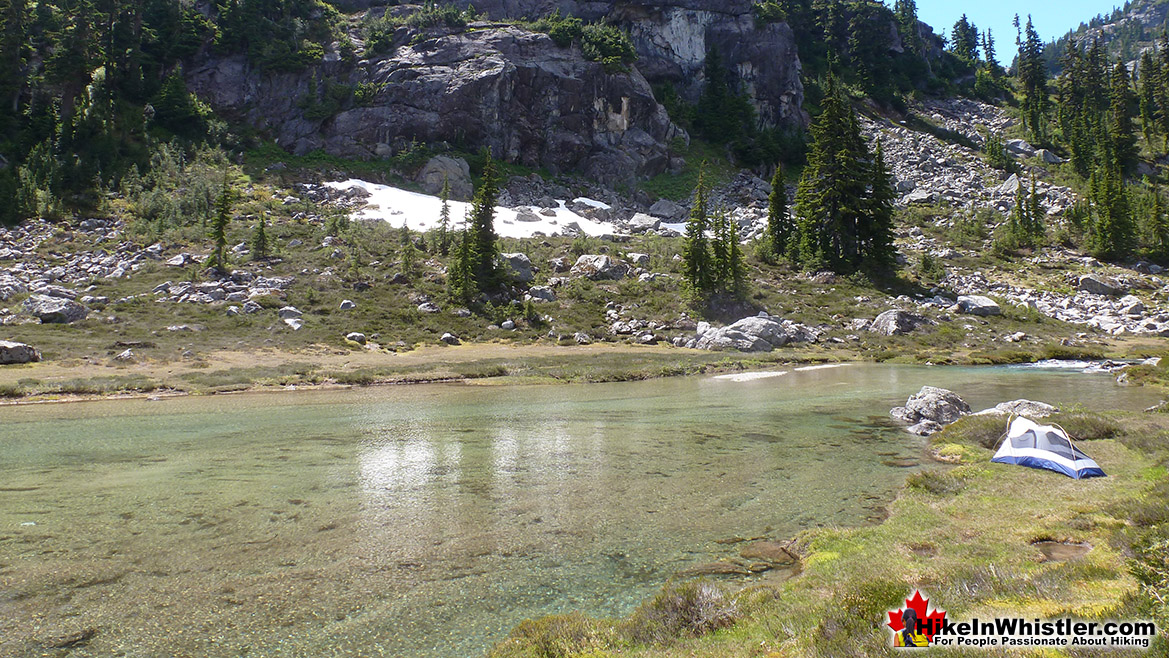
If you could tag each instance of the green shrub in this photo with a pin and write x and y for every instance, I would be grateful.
(691, 609)
(555, 636)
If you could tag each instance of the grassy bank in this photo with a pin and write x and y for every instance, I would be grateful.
(965, 535)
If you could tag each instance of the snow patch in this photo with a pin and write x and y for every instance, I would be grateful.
(751, 376)
(420, 212)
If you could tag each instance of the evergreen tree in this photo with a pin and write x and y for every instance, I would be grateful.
(1149, 78)
(219, 223)
(444, 217)
(877, 249)
(1032, 77)
(832, 199)
(409, 251)
(905, 11)
(780, 227)
(482, 226)
(260, 240)
(964, 40)
(1113, 231)
(1123, 147)
(988, 53)
(696, 255)
(461, 271)
(720, 251)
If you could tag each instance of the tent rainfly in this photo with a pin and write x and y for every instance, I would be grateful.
(1044, 446)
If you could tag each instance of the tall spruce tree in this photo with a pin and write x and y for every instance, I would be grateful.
(444, 217)
(484, 249)
(833, 200)
(780, 227)
(1123, 145)
(1149, 77)
(696, 255)
(905, 11)
(1032, 78)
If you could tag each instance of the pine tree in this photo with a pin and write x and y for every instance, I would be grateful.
(988, 53)
(780, 226)
(696, 255)
(736, 283)
(260, 240)
(444, 217)
(720, 251)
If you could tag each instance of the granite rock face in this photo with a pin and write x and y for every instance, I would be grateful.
(517, 92)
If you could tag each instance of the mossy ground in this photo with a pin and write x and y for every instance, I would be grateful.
(964, 535)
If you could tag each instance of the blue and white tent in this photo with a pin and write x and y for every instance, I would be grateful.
(1044, 446)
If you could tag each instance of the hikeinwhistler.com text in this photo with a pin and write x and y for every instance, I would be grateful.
(1062, 632)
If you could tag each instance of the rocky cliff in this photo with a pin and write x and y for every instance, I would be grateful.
(494, 85)
(530, 100)
(673, 37)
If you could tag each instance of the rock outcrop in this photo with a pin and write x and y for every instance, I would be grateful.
(531, 101)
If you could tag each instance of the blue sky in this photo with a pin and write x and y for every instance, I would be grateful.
(1051, 19)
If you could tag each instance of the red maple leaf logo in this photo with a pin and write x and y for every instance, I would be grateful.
(931, 622)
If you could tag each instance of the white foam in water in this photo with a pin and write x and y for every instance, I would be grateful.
(826, 366)
(421, 213)
(751, 376)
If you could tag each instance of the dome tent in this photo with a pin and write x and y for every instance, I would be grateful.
(1044, 446)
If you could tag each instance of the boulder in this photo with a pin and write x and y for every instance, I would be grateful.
(450, 339)
(441, 168)
(599, 268)
(1131, 305)
(55, 310)
(1011, 185)
(356, 337)
(753, 334)
(347, 305)
(287, 313)
(1028, 408)
(428, 307)
(1020, 147)
(640, 260)
(1098, 285)
(1048, 157)
(667, 209)
(518, 267)
(11, 353)
(978, 305)
(896, 322)
(933, 404)
(541, 294)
